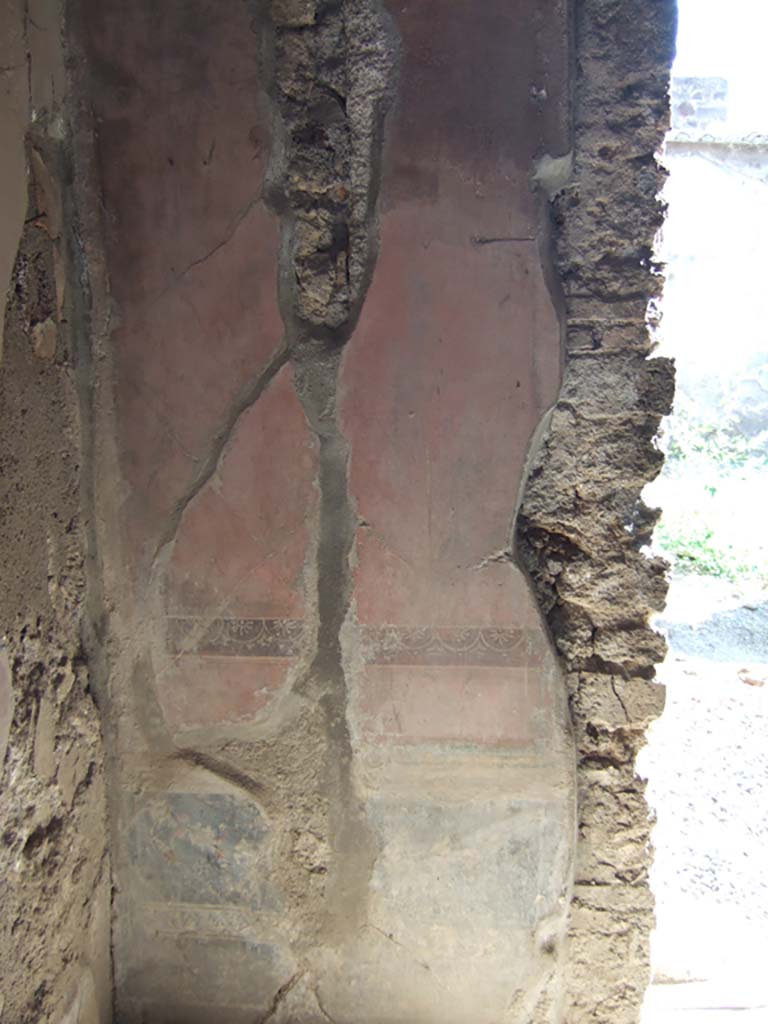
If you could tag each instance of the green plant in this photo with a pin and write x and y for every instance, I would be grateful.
(695, 551)
(720, 447)
(712, 490)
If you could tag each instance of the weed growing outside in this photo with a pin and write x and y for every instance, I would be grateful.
(714, 493)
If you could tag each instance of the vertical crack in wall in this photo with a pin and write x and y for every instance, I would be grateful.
(583, 525)
(331, 67)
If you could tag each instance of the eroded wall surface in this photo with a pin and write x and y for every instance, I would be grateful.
(54, 866)
(344, 772)
(583, 525)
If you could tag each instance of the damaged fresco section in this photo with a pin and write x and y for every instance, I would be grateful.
(326, 671)
(583, 526)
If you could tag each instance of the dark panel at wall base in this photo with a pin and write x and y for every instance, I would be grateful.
(583, 524)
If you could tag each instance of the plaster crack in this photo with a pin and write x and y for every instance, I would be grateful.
(617, 695)
(321, 1008)
(234, 227)
(485, 240)
(280, 995)
(218, 444)
(497, 558)
(394, 941)
(239, 218)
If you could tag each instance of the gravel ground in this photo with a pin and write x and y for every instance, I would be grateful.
(715, 620)
(707, 768)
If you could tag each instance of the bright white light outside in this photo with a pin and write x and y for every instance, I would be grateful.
(707, 757)
(728, 38)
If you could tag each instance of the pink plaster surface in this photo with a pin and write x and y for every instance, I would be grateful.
(242, 544)
(240, 554)
(443, 385)
(486, 706)
(200, 692)
(183, 140)
(454, 361)
(183, 143)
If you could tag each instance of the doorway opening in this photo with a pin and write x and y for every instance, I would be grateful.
(707, 757)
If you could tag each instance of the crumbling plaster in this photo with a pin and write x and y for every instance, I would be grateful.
(583, 527)
(55, 890)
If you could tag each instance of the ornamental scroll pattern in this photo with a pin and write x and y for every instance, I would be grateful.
(382, 645)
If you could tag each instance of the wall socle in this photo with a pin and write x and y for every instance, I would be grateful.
(583, 525)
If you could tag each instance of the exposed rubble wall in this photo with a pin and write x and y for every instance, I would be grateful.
(55, 886)
(583, 524)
